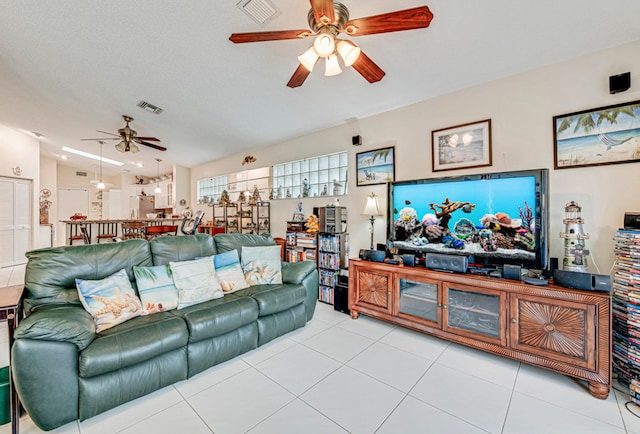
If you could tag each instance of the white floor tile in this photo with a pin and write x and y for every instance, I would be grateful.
(130, 413)
(490, 367)
(240, 402)
(326, 313)
(339, 344)
(27, 426)
(297, 368)
(417, 343)
(630, 414)
(211, 376)
(295, 418)
(177, 419)
(356, 402)
(392, 366)
(312, 328)
(566, 392)
(270, 349)
(476, 401)
(368, 327)
(414, 416)
(531, 415)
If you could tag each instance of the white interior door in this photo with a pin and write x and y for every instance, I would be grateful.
(15, 220)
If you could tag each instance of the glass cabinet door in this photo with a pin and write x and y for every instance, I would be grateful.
(419, 299)
(481, 312)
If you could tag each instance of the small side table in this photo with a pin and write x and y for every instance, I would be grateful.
(11, 308)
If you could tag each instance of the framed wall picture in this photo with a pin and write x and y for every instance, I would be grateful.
(375, 167)
(462, 146)
(605, 135)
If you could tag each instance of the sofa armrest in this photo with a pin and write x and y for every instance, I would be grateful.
(60, 323)
(295, 272)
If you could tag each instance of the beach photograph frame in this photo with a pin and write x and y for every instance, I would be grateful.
(377, 166)
(598, 136)
(461, 146)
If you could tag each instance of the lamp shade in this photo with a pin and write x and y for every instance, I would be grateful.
(309, 58)
(324, 44)
(133, 148)
(372, 207)
(349, 52)
(332, 66)
(100, 186)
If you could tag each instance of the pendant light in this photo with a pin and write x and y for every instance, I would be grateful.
(158, 190)
(100, 185)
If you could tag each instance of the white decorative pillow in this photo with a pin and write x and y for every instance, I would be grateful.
(156, 288)
(229, 272)
(261, 265)
(196, 281)
(110, 301)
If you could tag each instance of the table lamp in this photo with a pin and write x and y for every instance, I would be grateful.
(372, 209)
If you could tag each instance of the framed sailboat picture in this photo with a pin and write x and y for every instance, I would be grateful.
(375, 167)
(606, 135)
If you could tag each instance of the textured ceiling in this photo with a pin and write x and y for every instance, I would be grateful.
(69, 68)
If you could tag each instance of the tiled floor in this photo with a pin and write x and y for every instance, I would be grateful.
(339, 375)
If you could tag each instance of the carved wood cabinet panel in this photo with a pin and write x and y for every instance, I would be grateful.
(565, 330)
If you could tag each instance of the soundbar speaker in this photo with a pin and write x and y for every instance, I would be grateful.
(586, 281)
(439, 261)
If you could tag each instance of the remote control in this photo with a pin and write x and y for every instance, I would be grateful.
(536, 281)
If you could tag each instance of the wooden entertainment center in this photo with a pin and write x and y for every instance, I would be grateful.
(561, 329)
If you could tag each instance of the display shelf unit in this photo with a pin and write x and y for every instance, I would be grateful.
(333, 251)
(254, 219)
(564, 330)
(626, 310)
(300, 245)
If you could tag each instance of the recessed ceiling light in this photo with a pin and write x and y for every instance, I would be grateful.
(92, 156)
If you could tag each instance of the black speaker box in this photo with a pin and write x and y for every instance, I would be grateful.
(356, 140)
(619, 83)
(373, 255)
(439, 261)
(632, 221)
(408, 260)
(513, 272)
(341, 295)
(586, 281)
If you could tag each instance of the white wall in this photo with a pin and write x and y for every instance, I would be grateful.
(521, 108)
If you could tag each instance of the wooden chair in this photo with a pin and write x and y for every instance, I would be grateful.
(79, 231)
(133, 230)
(107, 231)
(160, 231)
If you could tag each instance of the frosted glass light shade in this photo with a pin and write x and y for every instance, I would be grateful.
(332, 66)
(122, 146)
(158, 190)
(309, 58)
(349, 52)
(324, 44)
(133, 148)
(100, 186)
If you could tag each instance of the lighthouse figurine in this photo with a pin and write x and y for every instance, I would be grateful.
(575, 253)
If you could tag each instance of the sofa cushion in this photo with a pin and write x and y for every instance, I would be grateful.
(110, 301)
(196, 281)
(218, 317)
(176, 249)
(59, 323)
(274, 298)
(156, 288)
(50, 273)
(135, 341)
(229, 272)
(262, 265)
(227, 242)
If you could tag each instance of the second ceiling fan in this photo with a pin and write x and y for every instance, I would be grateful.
(328, 20)
(129, 138)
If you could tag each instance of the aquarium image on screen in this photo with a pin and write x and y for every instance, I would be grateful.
(494, 216)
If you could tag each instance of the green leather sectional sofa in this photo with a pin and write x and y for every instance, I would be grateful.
(64, 370)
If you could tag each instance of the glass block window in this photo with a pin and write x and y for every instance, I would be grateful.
(325, 175)
(210, 189)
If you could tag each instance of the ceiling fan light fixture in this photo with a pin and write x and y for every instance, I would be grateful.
(324, 44)
(309, 58)
(122, 146)
(349, 52)
(332, 67)
(133, 148)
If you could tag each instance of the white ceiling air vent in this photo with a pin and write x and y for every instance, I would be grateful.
(260, 11)
(81, 173)
(150, 107)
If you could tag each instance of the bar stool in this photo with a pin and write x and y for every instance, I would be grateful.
(107, 231)
(79, 231)
(132, 230)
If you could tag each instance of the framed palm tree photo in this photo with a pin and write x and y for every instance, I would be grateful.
(606, 135)
(375, 167)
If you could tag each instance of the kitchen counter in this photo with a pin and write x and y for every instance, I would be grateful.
(89, 231)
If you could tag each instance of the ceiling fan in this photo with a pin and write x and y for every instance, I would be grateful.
(327, 20)
(129, 137)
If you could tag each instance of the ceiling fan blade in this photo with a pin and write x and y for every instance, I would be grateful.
(408, 19)
(276, 35)
(104, 138)
(148, 139)
(368, 69)
(151, 145)
(298, 77)
(323, 11)
(106, 132)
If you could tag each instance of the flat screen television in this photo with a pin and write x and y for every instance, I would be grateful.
(494, 218)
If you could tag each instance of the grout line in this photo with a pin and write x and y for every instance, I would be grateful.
(513, 390)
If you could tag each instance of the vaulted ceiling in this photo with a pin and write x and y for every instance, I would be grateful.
(71, 67)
